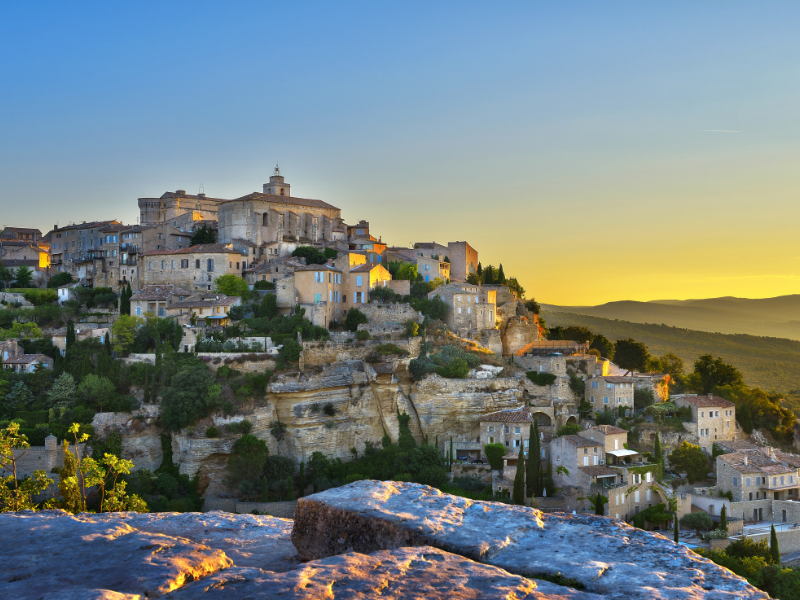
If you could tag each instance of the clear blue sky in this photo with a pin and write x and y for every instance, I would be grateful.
(600, 151)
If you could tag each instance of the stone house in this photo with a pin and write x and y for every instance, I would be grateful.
(24, 234)
(547, 347)
(27, 363)
(574, 454)
(613, 438)
(321, 291)
(658, 383)
(543, 364)
(277, 249)
(9, 348)
(273, 270)
(470, 307)
(433, 268)
(609, 392)
(173, 205)
(193, 268)
(463, 260)
(359, 230)
(12, 249)
(762, 474)
(714, 417)
(83, 331)
(156, 299)
(204, 309)
(512, 428)
(373, 250)
(363, 278)
(74, 248)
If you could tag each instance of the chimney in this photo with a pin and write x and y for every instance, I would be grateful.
(772, 456)
(745, 460)
(711, 395)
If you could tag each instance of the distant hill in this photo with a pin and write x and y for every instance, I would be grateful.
(767, 362)
(774, 317)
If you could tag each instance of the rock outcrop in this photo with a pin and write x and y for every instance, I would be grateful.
(609, 558)
(370, 539)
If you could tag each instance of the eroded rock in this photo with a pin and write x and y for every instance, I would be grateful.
(610, 558)
(401, 574)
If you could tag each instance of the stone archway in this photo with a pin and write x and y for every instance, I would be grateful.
(573, 420)
(543, 419)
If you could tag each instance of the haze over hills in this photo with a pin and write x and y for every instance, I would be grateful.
(773, 317)
(766, 362)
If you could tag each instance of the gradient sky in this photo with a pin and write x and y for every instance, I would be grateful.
(600, 151)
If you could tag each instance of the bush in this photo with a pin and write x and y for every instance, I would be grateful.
(494, 455)
(243, 426)
(263, 285)
(389, 349)
(568, 429)
(291, 350)
(412, 329)
(455, 369)
(354, 318)
(383, 294)
(39, 297)
(329, 410)
(542, 379)
(362, 335)
(190, 396)
(605, 417)
(212, 432)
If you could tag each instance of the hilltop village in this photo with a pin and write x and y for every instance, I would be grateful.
(244, 352)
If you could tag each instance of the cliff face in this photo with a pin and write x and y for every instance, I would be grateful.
(364, 399)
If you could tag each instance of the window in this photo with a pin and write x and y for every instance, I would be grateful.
(359, 280)
(647, 493)
(317, 298)
(210, 265)
(616, 444)
(591, 399)
(491, 428)
(173, 264)
(185, 263)
(647, 479)
(163, 264)
(736, 481)
(636, 496)
(459, 310)
(516, 430)
(595, 384)
(197, 263)
(139, 311)
(585, 461)
(605, 399)
(747, 482)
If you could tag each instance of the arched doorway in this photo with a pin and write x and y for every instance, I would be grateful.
(543, 419)
(573, 420)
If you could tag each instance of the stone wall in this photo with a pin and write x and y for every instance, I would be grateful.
(788, 539)
(400, 286)
(141, 435)
(392, 313)
(14, 299)
(322, 353)
(543, 364)
(482, 472)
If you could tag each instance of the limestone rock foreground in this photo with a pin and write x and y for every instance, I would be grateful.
(609, 558)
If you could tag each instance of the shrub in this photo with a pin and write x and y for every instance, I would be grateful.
(329, 410)
(263, 285)
(494, 455)
(191, 394)
(212, 432)
(455, 369)
(354, 318)
(542, 379)
(606, 417)
(389, 349)
(291, 350)
(697, 521)
(412, 329)
(382, 294)
(243, 426)
(362, 335)
(568, 429)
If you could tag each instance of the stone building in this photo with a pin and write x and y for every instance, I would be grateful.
(573, 453)
(714, 417)
(512, 428)
(204, 309)
(546, 347)
(193, 268)
(73, 248)
(274, 215)
(433, 268)
(320, 290)
(470, 307)
(762, 474)
(360, 280)
(23, 234)
(172, 205)
(463, 257)
(517, 325)
(657, 383)
(156, 299)
(359, 231)
(610, 393)
(613, 439)
(273, 270)
(10, 348)
(27, 363)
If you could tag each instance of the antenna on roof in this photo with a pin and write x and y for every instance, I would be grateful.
(201, 190)
(277, 170)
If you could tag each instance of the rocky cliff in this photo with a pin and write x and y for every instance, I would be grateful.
(369, 539)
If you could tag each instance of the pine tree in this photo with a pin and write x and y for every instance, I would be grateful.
(774, 550)
(675, 525)
(723, 518)
(20, 397)
(302, 479)
(519, 480)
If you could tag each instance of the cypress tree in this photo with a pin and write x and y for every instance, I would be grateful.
(70, 334)
(773, 546)
(675, 525)
(289, 489)
(107, 343)
(723, 518)
(451, 454)
(659, 458)
(598, 505)
(302, 479)
(518, 495)
(534, 461)
(501, 277)
(480, 271)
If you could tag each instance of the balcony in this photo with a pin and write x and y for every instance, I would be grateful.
(128, 247)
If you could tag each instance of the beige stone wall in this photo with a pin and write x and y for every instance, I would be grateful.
(383, 314)
(163, 269)
(543, 364)
(321, 353)
(463, 260)
(618, 395)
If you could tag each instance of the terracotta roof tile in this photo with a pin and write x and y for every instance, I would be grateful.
(25, 359)
(580, 441)
(519, 415)
(289, 200)
(707, 401)
(609, 429)
(199, 249)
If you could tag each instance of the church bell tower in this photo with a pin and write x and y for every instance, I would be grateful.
(277, 186)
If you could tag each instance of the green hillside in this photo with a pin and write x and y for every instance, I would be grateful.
(766, 362)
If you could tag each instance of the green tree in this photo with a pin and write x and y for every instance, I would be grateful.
(501, 277)
(698, 521)
(246, 462)
(354, 318)
(6, 276)
(311, 254)
(124, 330)
(203, 235)
(533, 306)
(642, 398)
(710, 373)
(659, 455)
(191, 394)
(232, 285)
(19, 398)
(676, 530)
(70, 338)
(603, 345)
(774, 550)
(690, 459)
(267, 307)
(518, 493)
(302, 480)
(62, 394)
(494, 455)
(723, 519)
(17, 493)
(23, 277)
(40, 297)
(577, 334)
(631, 355)
(534, 464)
(568, 429)
(515, 287)
(59, 279)
(291, 350)
(96, 392)
(599, 501)
(605, 417)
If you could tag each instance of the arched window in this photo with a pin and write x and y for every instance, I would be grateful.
(281, 191)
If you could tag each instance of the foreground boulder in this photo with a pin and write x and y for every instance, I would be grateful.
(603, 555)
